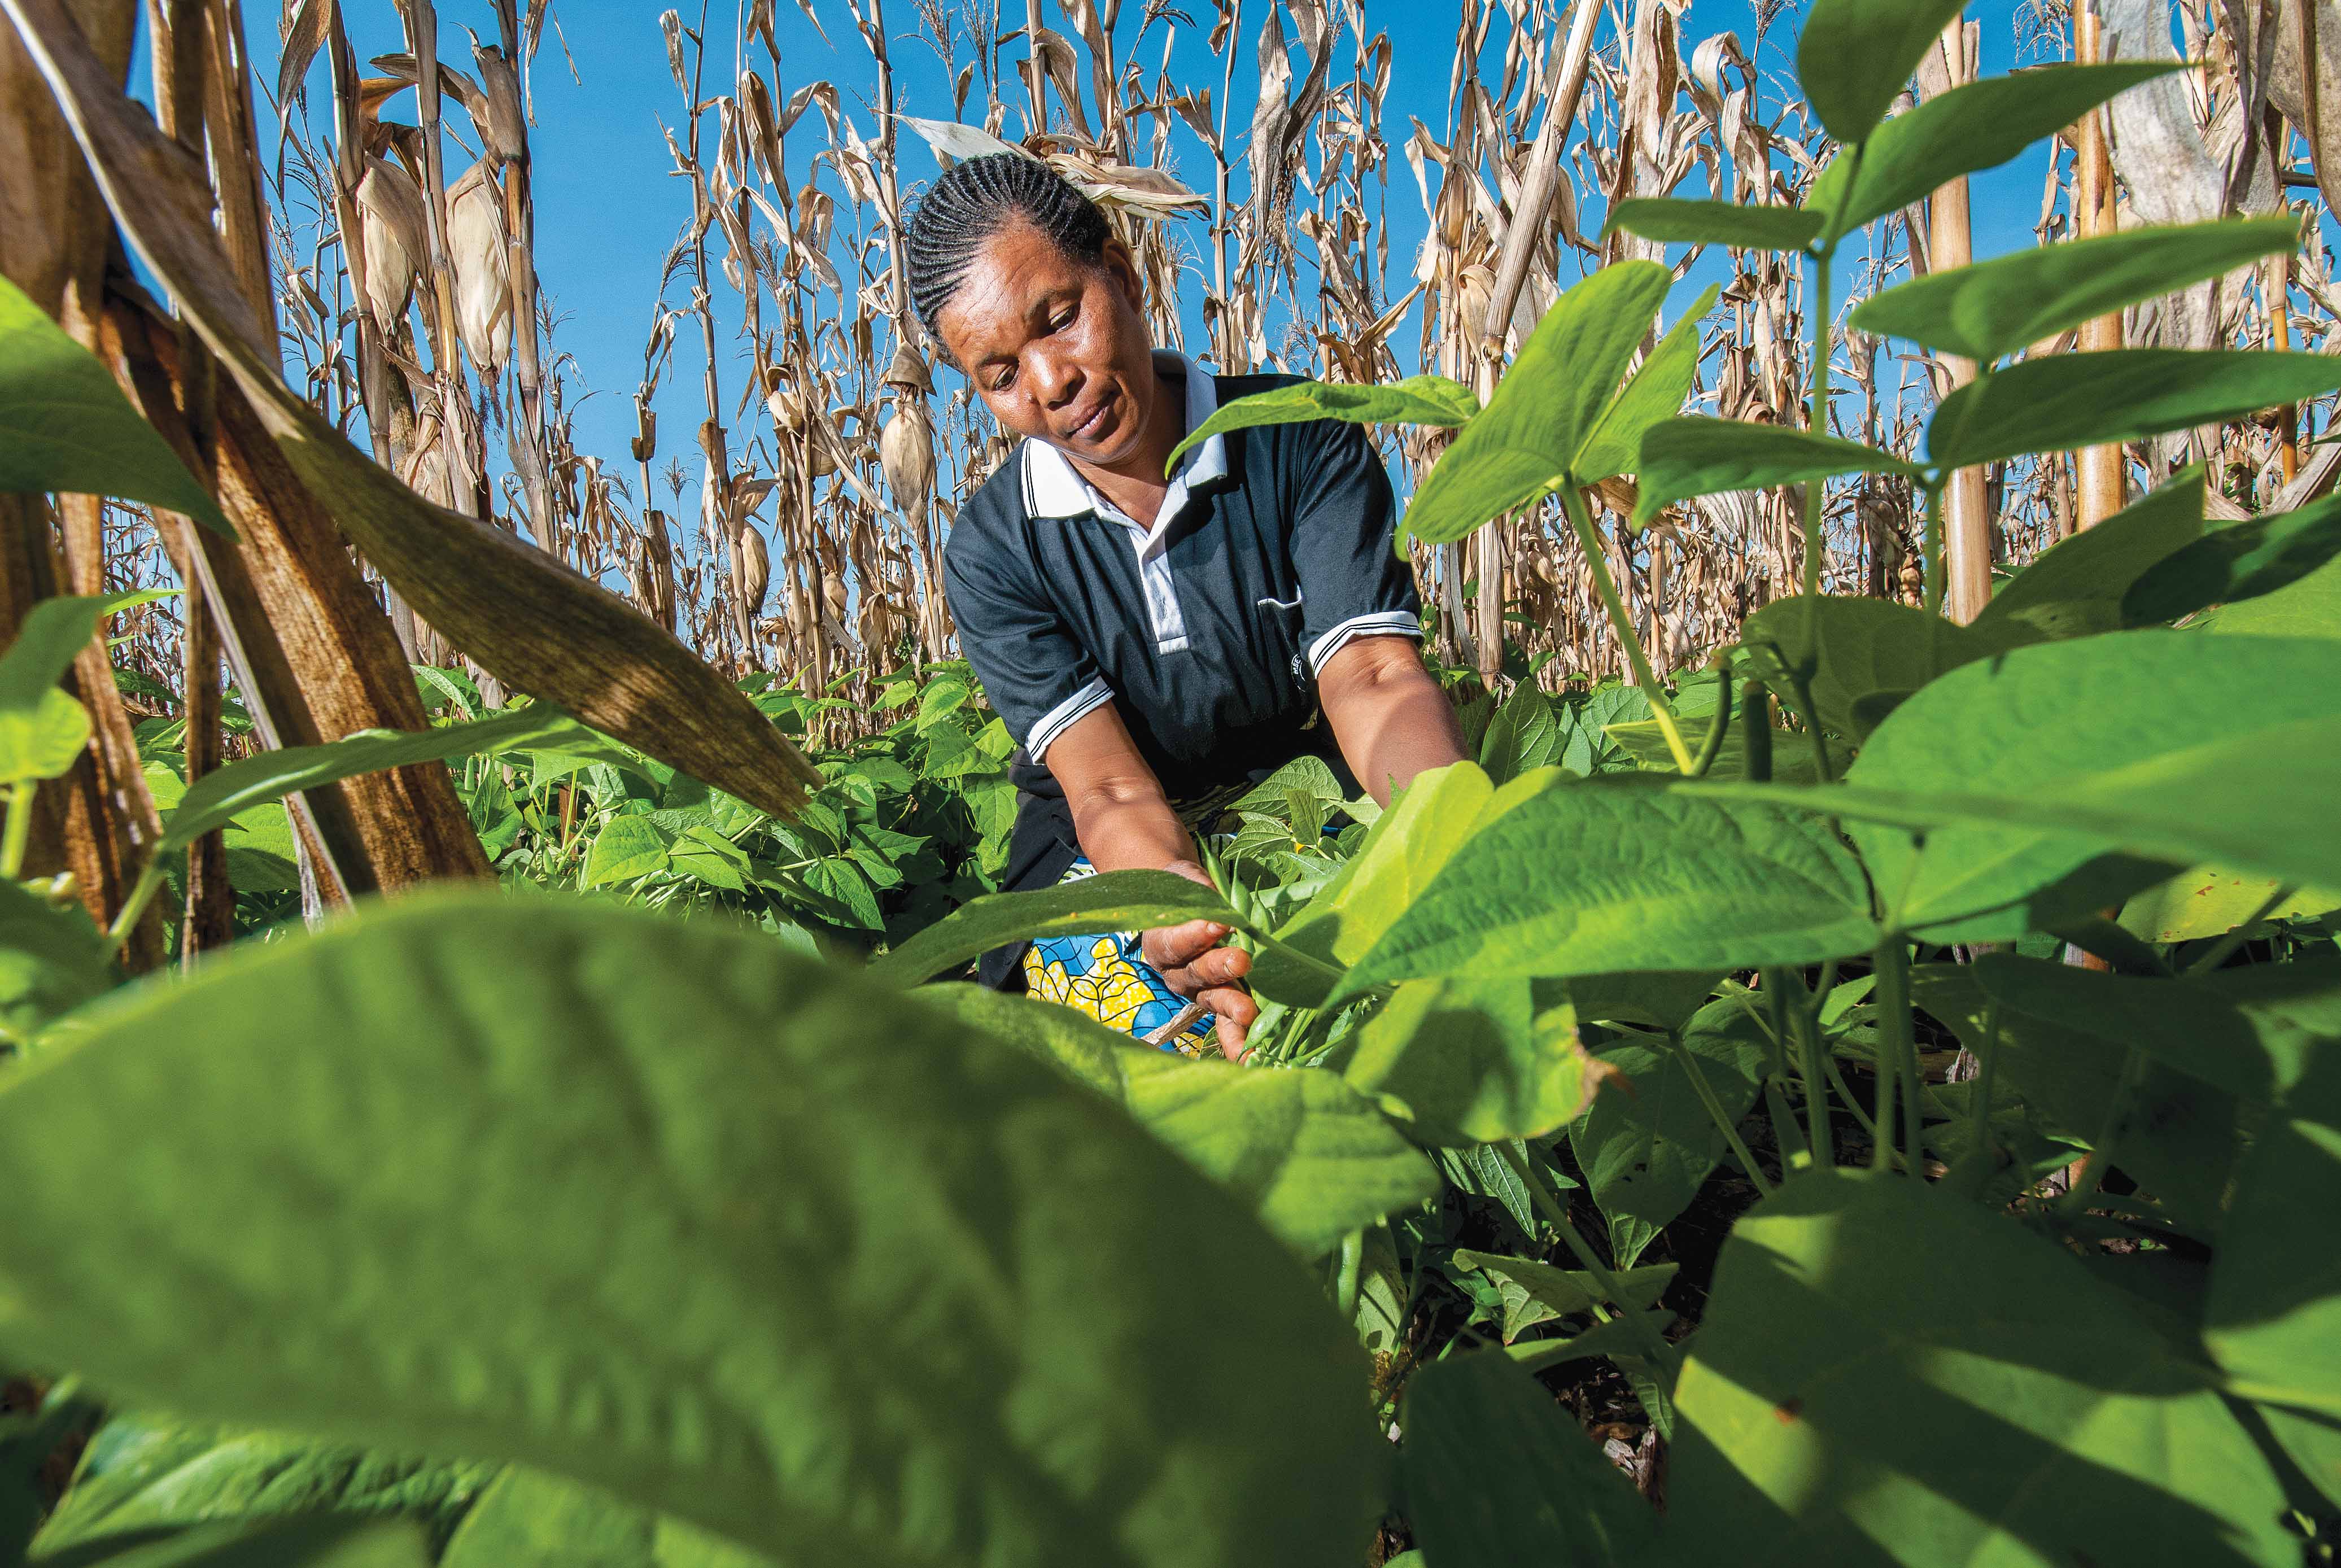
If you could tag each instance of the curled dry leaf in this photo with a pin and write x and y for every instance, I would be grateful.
(477, 248)
(524, 616)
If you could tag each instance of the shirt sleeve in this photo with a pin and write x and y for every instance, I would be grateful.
(1038, 678)
(1353, 582)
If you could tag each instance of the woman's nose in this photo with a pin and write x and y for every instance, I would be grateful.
(1057, 380)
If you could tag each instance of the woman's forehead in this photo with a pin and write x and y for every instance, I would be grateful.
(1011, 272)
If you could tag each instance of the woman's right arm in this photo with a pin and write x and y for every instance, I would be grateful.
(1125, 823)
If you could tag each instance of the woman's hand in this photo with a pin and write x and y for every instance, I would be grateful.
(1192, 958)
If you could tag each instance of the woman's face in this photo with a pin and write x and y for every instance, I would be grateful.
(1057, 348)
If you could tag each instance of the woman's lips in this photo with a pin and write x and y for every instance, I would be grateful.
(1095, 422)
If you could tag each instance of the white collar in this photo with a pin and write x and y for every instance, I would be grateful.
(1054, 487)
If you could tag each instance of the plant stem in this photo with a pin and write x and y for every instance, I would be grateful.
(2100, 1157)
(1818, 1130)
(1979, 1106)
(1590, 543)
(1353, 1260)
(19, 830)
(2218, 952)
(1898, 1051)
(1718, 1115)
(1541, 1194)
(142, 893)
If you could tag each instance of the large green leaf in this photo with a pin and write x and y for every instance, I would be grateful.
(1604, 875)
(320, 1541)
(2076, 588)
(144, 1472)
(1864, 654)
(1473, 1061)
(65, 425)
(2275, 1317)
(1978, 126)
(1888, 1373)
(1497, 1474)
(1647, 1149)
(2310, 607)
(1655, 394)
(1686, 457)
(1732, 224)
(625, 848)
(1853, 56)
(2074, 399)
(1309, 1154)
(1524, 443)
(2067, 721)
(1434, 400)
(224, 793)
(2211, 901)
(663, 1207)
(43, 730)
(2252, 558)
(1405, 848)
(1990, 310)
(1536, 1293)
(527, 1519)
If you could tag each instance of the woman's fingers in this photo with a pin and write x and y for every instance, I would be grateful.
(1171, 947)
(1236, 1013)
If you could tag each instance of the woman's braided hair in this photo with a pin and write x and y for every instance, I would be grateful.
(974, 201)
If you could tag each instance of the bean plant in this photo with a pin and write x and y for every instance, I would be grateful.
(1979, 977)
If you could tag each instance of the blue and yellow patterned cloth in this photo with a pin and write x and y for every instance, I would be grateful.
(1103, 976)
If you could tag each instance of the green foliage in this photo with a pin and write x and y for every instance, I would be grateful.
(1473, 1061)
(42, 730)
(1854, 55)
(2070, 400)
(1680, 222)
(1995, 308)
(695, 1198)
(65, 425)
(1970, 128)
(2244, 561)
(1434, 400)
(2082, 585)
(1859, 1395)
(1682, 458)
(1496, 1475)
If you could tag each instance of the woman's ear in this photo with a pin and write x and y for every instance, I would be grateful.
(1122, 267)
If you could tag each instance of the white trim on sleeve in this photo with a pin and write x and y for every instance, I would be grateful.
(1381, 624)
(1053, 722)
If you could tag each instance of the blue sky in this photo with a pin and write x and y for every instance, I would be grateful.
(608, 208)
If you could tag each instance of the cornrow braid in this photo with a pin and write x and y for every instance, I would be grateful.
(974, 201)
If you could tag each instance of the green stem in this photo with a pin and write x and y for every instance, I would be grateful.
(1844, 1093)
(1979, 1106)
(1353, 1258)
(1819, 1132)
(2101, 1149)
(1756, 731)
(19, 830)
(1712, 747)
(1718, 1115)
(1802, 680)
(142, 893)
(1898, 1051)
(1662, 1355)
(1590, 543)
(2218, 952)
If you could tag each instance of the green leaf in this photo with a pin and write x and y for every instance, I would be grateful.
(1853, 56)
(1655, 394)
(1792, 754)
(2275, 1315)
(1888, 1373)
(661, 1207)
(1523, 444)
(144, 1472)
(1406, 847)
(320, 1542)
(1604, 875)
(1112, 901)
(220, 796)
(51, 960)
(626, 847)
(1473, 1061)
(2073, 400)
(1741, 227)
(2308, 608)
(2235, 564)
(1648, 1145)
(43, 730)
(1686, 457)
(1978, 126)
(1309, 1156)
(1536, 1293)
(1867, 650)
(2211, 901)
(2095, 720)
(1992, 309)
(2076, 588)
(1434, 400)
(529, 1520)
(1497, 1474)
(65, 427)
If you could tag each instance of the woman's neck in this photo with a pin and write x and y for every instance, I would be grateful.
(1137, 484)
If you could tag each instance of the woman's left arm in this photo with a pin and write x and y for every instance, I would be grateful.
(1388, 713)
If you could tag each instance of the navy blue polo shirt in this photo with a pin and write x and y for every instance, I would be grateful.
(1274, 550)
